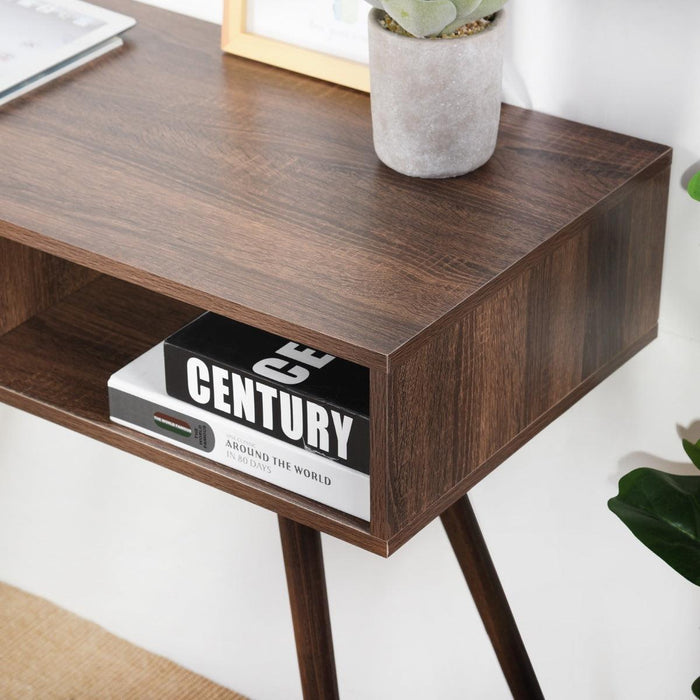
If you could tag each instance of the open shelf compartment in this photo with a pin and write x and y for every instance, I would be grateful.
(57, 362)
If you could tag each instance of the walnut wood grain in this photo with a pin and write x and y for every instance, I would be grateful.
(57, 363)
(31, 281)
(450, 496)
(308, 599)
(478, 384)
(483, 305)
(255, 192)
(475, 561)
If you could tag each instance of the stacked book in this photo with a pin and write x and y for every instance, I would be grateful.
(258, 403)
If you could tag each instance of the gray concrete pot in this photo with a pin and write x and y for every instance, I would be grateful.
(436, 103)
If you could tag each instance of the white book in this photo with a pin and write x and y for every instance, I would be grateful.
(138, 400)
(40, 40)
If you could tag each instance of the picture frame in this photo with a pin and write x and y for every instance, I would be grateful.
(238, 40)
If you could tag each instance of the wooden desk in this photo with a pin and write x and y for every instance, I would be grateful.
(167, 178)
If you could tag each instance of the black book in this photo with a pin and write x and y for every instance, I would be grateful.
(291, 392)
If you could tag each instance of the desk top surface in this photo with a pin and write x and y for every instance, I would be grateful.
(256, 192)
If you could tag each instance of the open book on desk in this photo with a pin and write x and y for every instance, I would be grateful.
(40, 41)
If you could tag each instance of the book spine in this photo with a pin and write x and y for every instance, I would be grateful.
(273, 409)
(240, 448)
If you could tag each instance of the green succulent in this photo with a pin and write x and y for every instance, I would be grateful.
(424, 18)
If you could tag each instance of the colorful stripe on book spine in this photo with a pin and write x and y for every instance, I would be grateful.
(162, 420)
(173, 424)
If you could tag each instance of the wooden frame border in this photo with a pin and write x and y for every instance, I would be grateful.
(236, 40)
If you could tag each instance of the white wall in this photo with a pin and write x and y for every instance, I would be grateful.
(196, 575)
(626, 66)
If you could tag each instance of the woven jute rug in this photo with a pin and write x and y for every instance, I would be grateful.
(47, 653)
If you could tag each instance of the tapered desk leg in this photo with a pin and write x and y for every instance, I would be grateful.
(468, 543)
(306, 582)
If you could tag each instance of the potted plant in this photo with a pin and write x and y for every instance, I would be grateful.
(663, 511)
(435, 76)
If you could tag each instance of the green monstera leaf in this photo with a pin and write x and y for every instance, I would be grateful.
(663, 511)
(694, 186)
(693, 451)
